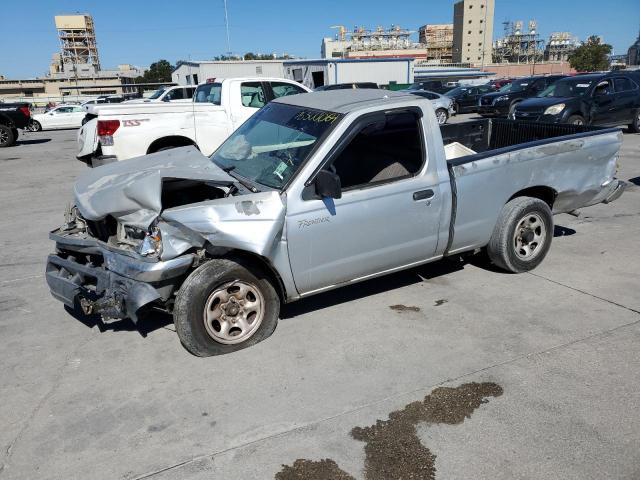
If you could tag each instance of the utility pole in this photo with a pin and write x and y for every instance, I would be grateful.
(226, 23)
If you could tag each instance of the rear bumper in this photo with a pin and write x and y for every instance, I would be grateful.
(97, 160)
(85, 273)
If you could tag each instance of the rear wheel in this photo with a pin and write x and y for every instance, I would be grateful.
(7, 138)
(575, 120)
(442, 116)
(635, 125)
(224, 306)
(522, 236)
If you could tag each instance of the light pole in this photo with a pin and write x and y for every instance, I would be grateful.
(226, 23)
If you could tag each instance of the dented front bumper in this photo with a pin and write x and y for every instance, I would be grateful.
(90, 274)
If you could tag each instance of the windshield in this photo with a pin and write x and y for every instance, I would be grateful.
(517, 85)
(209, 93)
(570, 87)
(158, 92)
(270, 147)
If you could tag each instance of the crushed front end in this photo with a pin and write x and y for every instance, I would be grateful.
(101, 270)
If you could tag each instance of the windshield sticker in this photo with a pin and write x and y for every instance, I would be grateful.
(582, 85)
(280, 169)
(319, 117)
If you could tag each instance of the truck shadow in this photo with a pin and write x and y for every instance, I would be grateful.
(372, 287)
(34, 141)
(148, 322)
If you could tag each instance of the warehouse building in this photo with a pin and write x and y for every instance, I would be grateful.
(194, 72)
(383, 71)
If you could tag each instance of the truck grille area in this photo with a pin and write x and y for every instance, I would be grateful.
(102, 229)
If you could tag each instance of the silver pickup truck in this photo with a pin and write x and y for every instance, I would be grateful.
(314, 192)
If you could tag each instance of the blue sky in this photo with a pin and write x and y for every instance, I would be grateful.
(140, 32)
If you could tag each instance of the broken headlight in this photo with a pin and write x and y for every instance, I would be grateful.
(151, 245)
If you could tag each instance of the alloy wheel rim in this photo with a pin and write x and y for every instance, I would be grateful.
(441, 118)
(234, 312)
(529, 236)
(4, 137)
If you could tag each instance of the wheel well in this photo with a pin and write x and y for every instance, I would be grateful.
(173, 141)
(546, 194)
(248, 259)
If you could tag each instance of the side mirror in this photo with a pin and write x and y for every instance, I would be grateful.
(166, 99)
(327, 184)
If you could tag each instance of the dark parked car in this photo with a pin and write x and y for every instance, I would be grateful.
(502, 102)
(346, 86)
(465, 99)
(501, 82)
(12, 117)
(438, 86)
(597, 99)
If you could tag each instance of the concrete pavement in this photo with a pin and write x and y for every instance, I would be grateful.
(92, 401)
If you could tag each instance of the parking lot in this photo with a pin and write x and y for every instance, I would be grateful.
(554, 354)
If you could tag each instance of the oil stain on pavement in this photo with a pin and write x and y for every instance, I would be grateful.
(392, 447)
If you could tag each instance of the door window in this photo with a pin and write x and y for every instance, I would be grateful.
(209, 93)
(624, 85)
(252, 95)
(78, 110)
(281, 89)
(381, 153)
(63, 110)
(176, 94)
(604, 88)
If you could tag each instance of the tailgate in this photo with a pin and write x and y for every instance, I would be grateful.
(87, 139)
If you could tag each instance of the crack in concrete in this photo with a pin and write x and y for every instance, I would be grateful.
(611, 302)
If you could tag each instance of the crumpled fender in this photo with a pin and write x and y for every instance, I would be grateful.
(252, 222)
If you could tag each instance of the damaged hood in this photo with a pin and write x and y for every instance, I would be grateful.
(131, 190)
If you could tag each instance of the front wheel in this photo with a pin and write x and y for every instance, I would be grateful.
(522, 236)
(442, 116)
(223, 306)
(34, 126)
(575, 120)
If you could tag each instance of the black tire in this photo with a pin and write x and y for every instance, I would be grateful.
(512, 109)
(442, 113)
(35, 126)
(517, 245)
(7, 138)
(207, 281)
(15, 134)
(575, 120)
(635, 125)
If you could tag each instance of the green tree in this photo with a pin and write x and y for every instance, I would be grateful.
(591, 56)
(159, 72)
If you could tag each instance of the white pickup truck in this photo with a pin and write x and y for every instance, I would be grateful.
(219, 107)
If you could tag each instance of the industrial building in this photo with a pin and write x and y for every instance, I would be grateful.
(559, 46)
(518, 45)
(317, 73)
(194, 72)
(473, 31)
(78, 46)
(633, 54)
(394, 42)
(438, 40)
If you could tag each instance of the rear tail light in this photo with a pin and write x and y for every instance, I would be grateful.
(26, 111)
(107, 127)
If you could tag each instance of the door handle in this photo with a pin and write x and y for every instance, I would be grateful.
(423, 195)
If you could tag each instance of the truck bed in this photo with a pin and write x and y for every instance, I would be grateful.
(495, 136)
(569, 165)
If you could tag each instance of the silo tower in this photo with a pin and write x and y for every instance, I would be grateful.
(78, 46)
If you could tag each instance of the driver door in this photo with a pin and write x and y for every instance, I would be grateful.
(388, 213)
(603, 105)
